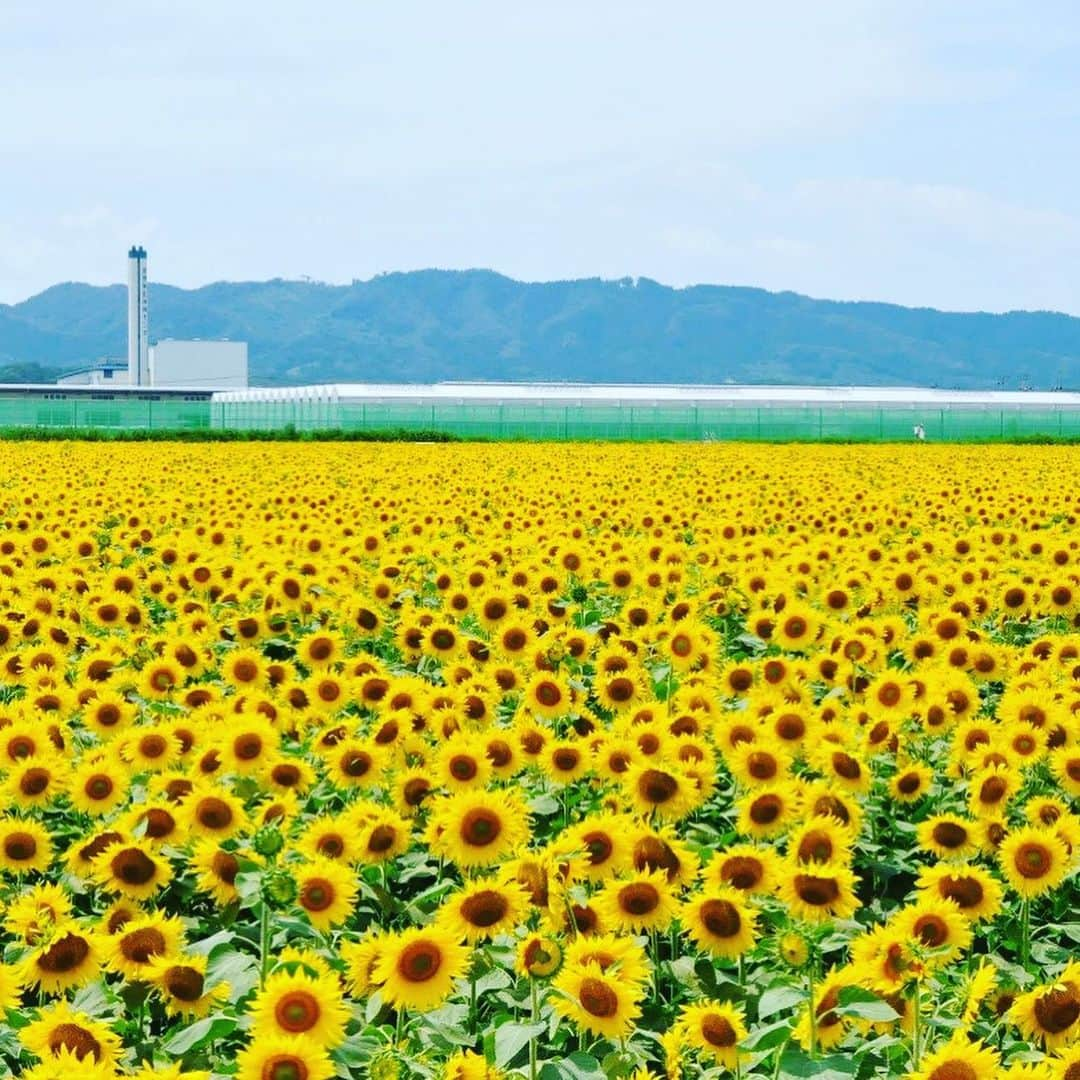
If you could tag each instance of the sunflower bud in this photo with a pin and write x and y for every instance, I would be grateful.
(268, 841)
(279, 887)
(794, 950)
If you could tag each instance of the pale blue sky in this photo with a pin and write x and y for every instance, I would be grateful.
(923, 153)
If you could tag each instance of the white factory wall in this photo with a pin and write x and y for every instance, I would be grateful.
(212, 364)
(95, 377)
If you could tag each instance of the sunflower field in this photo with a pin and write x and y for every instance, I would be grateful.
(549, 762)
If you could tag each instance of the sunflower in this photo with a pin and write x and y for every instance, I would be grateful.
(1033, 860)
(284, 1058)
(603, 1005)
(612, 953)
(948, 836)
(796, 627)
(754, 763)
(482, 910)
(462, 764)
(911, 783)
(604, 841)
(64, 1063)
(547, 696)
(565, 761)
(416, 968)
(1051, 1013)
(639, 903)
(991, 789)
(830, 1023)
(720, 922)
(360, 958)
(251, 743)
(539, 956)
(767, 809)
(216, 871)
(212, 811)
(141, 941)
(98, 785)
(150, 748)
(326, 892)
(36, 782)
(1065, 765)
(935, 926)
(884, 960)
(383, 836)
(620, 691)
(127, 868)
(356, 763)
(959, 1058)
(160, 677)
(478, 828)
(289, 775)
(59, 1027)
(300, 1004)
(69, 957)
(975, 891)
(822, 799)
(181, 983)
(818, 893)
(820, 841)
(716, 1029)
(841, 768)
(36, 911)
(746, 867)
(24, 845)
(664, 790)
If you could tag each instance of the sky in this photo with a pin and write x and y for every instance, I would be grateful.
(914, 152)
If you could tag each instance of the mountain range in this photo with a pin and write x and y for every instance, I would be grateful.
(433, 325)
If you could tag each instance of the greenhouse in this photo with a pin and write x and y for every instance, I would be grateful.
(700, 413)
(560, 411)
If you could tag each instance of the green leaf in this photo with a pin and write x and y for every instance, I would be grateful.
(866, 1005)
(800, 1066)
(511, 1039)
(199, 1034)
(767, 1038)
(577, 1066)
(777, 998)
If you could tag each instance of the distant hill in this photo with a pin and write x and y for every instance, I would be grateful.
(433, 325)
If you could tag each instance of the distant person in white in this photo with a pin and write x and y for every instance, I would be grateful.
(919, 432)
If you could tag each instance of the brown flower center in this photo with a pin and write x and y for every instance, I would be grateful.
(419, 961)
(721, 918)
(484, 909)
(297, 1011)
(597, 998)
(817, 891)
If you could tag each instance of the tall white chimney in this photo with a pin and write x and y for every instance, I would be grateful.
(138, 319)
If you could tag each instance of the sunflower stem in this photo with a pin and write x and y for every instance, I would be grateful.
(916, 1025)
(472, 1000)
(264, 941)
(811, 1011)
(399, 1027)
(534, 1015)
(1025, 931)
(780, 1057)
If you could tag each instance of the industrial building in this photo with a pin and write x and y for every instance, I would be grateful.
(206, 364)
(195, 364)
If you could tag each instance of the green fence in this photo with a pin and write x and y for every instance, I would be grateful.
(115, 413)
(543, 421)
(649, 422)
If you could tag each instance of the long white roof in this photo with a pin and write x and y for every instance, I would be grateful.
(599, 394)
